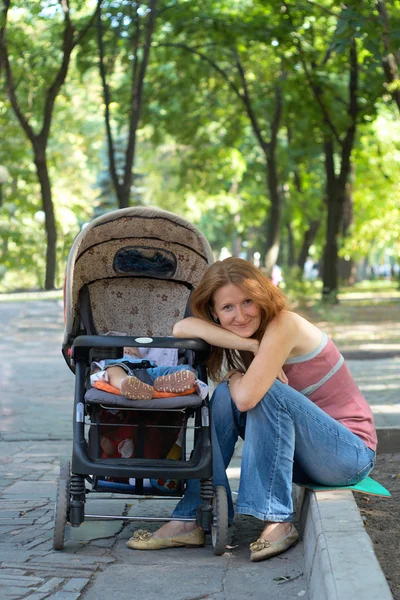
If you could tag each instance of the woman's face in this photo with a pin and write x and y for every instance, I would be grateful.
(236, 311)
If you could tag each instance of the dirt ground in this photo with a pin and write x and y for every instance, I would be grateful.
(382, 518)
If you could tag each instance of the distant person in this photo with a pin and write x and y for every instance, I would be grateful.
(309, 268)
(276, 275)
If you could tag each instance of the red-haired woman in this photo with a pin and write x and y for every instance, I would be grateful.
(287, 392)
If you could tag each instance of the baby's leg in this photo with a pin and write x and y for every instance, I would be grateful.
(131, 387)
(116, 375)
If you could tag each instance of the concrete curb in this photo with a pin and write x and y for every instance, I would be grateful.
(340, 562)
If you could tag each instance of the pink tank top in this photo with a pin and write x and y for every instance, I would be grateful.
(324, 378)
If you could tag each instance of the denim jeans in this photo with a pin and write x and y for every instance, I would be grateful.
(286, 438)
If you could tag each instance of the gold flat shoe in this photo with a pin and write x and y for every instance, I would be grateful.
(262, 549)
(144, 540)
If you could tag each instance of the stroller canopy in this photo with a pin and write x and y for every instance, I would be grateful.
(135, 269)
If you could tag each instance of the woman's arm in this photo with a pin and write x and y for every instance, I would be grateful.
(192, 327)
(279, 339)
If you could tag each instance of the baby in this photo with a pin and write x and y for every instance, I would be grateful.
(161, 373)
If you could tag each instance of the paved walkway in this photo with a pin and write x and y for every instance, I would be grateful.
(35, 430)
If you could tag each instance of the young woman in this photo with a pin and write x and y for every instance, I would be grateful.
(287, 392)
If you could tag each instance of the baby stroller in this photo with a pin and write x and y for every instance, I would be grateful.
(132, 271)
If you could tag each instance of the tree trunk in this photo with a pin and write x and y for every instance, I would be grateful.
(123, 185)
(346, 268)
(330, 254)
(308, 240)
(39, 140)
(330, 258)
(274, 219)
(337, 186)
(290, 240)
(50, 222)
(275, 192)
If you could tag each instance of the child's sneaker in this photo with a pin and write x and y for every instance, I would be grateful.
(134, 389)
(177, 382)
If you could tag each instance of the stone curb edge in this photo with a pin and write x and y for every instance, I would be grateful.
(340, 562)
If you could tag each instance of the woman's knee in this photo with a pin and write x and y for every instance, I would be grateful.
(274, 399)
(221, 403)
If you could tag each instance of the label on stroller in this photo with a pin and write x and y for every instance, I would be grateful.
(144, 340)
(205, 420)
(80, 412)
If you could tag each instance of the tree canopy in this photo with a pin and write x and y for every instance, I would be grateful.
(274, 127)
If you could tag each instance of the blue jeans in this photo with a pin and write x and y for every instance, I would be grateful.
(286, 438)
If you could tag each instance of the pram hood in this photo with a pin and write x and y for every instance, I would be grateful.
(138, 266)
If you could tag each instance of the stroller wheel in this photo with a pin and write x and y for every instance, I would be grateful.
(219, 529)
(61, 508)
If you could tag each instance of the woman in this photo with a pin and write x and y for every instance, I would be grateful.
(288, 393)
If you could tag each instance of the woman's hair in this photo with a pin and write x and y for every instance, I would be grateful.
(259, 288)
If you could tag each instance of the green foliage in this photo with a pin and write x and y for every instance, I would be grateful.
(197, 150)
(299, 290)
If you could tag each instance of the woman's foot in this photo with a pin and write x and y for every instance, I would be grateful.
(177, 382)
(134, 389)
(273, 532)
(275, 539)
(174, 534)
(174, 528)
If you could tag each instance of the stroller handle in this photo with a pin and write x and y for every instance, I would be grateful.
(106, 341)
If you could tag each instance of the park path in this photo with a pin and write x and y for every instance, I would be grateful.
(35, 431)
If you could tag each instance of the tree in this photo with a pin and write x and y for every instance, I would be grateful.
(391, 55)
(124, 58)
(341, 111)
(33, 101)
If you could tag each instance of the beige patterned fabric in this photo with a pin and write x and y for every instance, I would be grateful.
(117, 296)
(144, 226)
(138, 307)
(97, 262)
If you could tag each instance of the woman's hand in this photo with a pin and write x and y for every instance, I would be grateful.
(282, 376)
(215, 335)
(255, 345)
(230, 373)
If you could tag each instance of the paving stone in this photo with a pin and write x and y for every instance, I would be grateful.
(91, 530)
(4, 530)
(27, 535)
(24, 522)
(14, 554)
(73, 561)
(66, 595)
(37, 542)
(50, 585)
(44, 570)
(17, 580)
(75, 584)
(23, 489)
(103, 543)
(45, 518)
(19, 571)
(14, 593)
